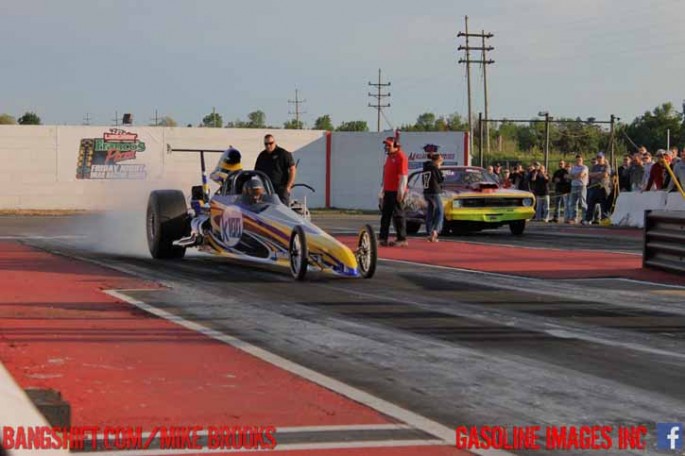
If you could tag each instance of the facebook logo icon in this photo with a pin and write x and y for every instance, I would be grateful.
(669, 436)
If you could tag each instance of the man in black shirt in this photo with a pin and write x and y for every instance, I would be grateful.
(279, 165)
(562, 188)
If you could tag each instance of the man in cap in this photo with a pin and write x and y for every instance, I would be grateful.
(253, 191)
(395, 172)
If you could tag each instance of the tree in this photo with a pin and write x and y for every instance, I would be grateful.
(167, 121)
(425, 122)
(457, 123)
(293, 125)
(213, 120)
(324, 123)
(256, 119)
(29, 118)
(652, 128)
(527, 137)
(354, 125)
(6, 119)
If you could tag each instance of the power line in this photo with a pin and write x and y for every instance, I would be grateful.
(155, 118)
(379, 96)
(387, 120)
(468, 61)
(297, 102)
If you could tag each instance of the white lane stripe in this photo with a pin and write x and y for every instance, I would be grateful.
(343, 427)
(284, 447)
(447, 435)
(522, 277)
(295, 429)
(17, 410)
(644, 282)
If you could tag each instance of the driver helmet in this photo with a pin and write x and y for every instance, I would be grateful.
(229, 162)
(254, 189)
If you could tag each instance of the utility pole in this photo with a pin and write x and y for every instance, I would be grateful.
(468, 63)
(485, 89)
(116, 118)
(379, 96)
(86, 119)
(468, 71)
(297, 102)
(480, 142)
(156, 119)
(214, 116)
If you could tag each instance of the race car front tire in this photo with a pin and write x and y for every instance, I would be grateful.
(299, 253)
(517, 227)
(167, 220)
(413, 227)
(367, 252)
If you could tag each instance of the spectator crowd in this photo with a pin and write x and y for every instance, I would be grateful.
(576, 192)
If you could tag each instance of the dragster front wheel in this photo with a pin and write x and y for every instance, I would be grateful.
(367, 252)
(298, 253)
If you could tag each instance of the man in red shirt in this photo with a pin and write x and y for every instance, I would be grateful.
(395, 173)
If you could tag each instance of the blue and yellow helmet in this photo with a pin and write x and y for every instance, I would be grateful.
(229, 162)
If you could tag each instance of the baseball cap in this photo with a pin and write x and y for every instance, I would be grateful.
(600, 154)
(430, 148)
(390, 140)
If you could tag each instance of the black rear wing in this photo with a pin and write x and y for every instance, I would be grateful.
(205, 184)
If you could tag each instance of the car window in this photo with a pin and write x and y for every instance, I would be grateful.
(415, 182)
(466, 176)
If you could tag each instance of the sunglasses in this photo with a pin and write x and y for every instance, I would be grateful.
(269, 143)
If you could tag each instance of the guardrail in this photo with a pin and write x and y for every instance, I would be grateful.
(664, 242)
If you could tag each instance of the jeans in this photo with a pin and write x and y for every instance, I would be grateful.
(392, 209)
(596, 195)
(561, 207)
(435, 213)
(578, 195)
(542, 207)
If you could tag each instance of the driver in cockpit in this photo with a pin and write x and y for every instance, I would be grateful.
(253, 191)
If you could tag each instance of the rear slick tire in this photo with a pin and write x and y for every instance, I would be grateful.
(166, 221)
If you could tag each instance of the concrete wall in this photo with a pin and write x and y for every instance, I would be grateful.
(631, 206)
(357, 162)
(39, 163)
(41, 169)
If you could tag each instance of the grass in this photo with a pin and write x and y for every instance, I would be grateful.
(42, 212)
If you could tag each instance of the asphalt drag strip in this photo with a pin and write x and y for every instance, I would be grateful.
(456, 346)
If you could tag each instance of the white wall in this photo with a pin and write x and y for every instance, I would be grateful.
(357, 162)
(311, 170)
(39, 163)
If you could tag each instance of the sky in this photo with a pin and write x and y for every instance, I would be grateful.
(70, 59)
